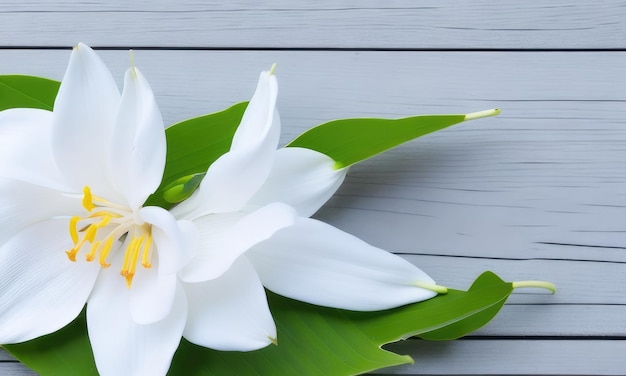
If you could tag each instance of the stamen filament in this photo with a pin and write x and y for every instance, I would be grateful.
(104, 213)
(105, 252)
(90, 235)
(108, 204)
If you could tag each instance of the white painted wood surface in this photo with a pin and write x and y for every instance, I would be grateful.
(536, 193)
(320, 24)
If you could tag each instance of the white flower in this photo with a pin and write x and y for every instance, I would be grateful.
(72, 185)
(73, 229)
(251, 212)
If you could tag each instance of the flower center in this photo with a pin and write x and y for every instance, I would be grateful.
(105, 223)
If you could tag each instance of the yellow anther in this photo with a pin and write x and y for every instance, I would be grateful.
(130, 260)
(115, 221)
(73, 229)
(146, 254)
(92, 252)
(87, 199)
(71, 254)
(105, 252)
(127, 257)
(129, 280)
(133, 259)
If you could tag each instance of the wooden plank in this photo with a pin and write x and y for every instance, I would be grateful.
(14, 368)
(402, 24)
(512, 357)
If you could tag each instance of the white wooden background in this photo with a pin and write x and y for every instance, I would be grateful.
(536, 193)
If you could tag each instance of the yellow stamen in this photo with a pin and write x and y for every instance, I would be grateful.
(90, 235)
(118, 220)
(105, 252)
(130, 260)
(104, 213)
(73, 229)
(92, 252)
(87, 199)
(71, 254)
(146, 254)
(126, 263)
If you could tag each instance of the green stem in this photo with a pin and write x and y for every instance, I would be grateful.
(536, 284)
(431, 286)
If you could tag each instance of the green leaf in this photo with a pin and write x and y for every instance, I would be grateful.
(477, 320)
(349, 141)
(313, 340)
(18, 91)
(66, 352)
(326, 341)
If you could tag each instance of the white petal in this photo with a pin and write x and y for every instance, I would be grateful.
(258, 118)
(302, 178)
(84, 114)
(120, 345)
(41, 290)
(230, 313)
(138, 141)
(151, 295)
(223, 238)
(319, 264)
(22, 204)
(26, 147)
(236, 176)
(175, 241)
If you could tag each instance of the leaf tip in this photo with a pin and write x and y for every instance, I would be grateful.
(482, 114)
(536, 284)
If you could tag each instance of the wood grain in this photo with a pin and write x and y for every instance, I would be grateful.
(398, 24)
(536, 193)
(512, 357)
